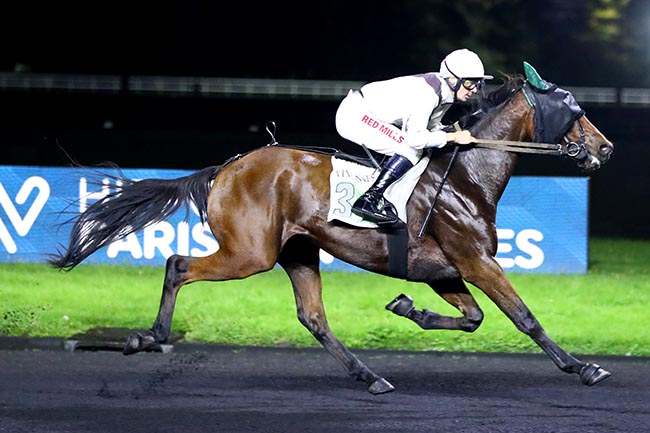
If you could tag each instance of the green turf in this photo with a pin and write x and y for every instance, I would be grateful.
(602, 312)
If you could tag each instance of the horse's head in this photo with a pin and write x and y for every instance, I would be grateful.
(559, 118)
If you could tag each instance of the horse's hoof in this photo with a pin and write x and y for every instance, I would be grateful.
(591, 374)
(133, 344)
(380, 386)
(402, 305)
(138, 342)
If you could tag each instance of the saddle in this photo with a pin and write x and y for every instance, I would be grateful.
(351, 176)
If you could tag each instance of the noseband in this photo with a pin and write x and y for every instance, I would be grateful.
(576, 149)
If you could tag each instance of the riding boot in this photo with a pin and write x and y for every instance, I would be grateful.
(372, 205)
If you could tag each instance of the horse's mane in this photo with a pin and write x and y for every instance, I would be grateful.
(487, 103)
(511, 84)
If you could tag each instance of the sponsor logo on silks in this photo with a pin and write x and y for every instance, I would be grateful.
(385, 129)
(21, 224)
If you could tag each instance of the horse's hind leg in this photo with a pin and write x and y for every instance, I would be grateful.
(455, 292)
(175, 272)
(300, 260)
(180, 270)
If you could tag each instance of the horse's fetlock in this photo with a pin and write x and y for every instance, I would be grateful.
(471, 325)
(472, 321)
(158, 335)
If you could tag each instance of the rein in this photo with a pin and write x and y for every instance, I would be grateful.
(520, 146)
(572, 149)
(575, 149)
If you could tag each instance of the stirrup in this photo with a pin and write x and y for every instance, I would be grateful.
(378, 218)
(390, 211)
(376, 209)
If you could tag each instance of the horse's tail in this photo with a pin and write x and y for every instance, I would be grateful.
(133, 206)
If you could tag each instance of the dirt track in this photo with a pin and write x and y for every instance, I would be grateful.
(225, 389)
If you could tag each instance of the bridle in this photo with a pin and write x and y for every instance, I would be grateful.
(576, 149)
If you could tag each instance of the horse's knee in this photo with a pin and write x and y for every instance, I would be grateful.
(527, 323)
(314, 322)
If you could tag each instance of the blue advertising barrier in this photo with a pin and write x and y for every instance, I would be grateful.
(541, 222)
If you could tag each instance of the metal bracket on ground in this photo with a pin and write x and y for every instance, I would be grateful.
(112, 339)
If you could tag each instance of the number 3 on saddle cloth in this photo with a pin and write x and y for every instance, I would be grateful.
(349, 180)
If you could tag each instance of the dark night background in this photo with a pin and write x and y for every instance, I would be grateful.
(591, 43)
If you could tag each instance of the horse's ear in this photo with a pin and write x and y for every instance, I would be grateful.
(533, 77)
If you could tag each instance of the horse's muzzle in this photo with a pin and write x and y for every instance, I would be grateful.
(605, 150)
(589, 163)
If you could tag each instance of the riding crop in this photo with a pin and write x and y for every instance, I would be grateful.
(435, 198)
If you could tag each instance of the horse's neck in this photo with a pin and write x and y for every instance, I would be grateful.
(511, 121)
(493, 169)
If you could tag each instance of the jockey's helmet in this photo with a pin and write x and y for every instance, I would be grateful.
(463, 63)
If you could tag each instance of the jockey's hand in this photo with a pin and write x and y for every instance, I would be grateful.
(461, 137)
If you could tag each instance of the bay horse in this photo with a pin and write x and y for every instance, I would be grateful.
(270, 207)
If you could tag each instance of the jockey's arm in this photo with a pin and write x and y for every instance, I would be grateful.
(419, 136)
(423, 138)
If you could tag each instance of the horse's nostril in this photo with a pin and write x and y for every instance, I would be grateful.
(605, 149)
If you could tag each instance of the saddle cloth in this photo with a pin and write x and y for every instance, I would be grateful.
(349, 180)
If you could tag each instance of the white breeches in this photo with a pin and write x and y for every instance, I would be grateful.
(355, 122)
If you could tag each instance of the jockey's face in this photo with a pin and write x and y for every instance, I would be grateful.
(466, 89)
(463, 94)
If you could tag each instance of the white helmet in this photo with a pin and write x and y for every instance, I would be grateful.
(463, 64)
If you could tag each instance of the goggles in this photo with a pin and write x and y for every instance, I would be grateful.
(469, 84)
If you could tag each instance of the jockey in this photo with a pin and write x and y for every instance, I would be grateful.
(401, 117)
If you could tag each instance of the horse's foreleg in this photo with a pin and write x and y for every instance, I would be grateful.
(302, 266)
(455, 293)
(490, 278)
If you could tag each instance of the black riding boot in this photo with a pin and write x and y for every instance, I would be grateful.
(372, 205)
